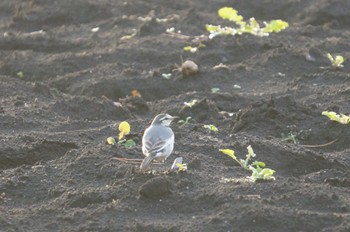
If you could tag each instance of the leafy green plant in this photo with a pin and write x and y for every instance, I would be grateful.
(337, 61)
(258, 169)
(251, 26)
(342, 118)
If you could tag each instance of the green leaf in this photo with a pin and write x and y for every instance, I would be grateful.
(211, 28)
(20, 74)
(211, 128)
(266, 172)
(182, 167)
(129, 143)
(259, 164)
(276, 26)
(190, 49)
(191, 103)
(250, 152)
(339, 60)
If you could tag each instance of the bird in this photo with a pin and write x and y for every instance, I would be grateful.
(158, 140)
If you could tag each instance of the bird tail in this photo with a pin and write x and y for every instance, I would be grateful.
(146, 162)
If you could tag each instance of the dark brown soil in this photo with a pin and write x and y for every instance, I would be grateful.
(56, 169)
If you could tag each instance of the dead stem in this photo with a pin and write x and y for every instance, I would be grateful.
(320, 145)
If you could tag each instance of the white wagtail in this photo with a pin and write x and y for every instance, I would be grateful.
(158, 140)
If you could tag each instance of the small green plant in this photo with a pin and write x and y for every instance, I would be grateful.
(250, 27)
(342, 118)
(191, 103)
(186, 121)
(193, 49)
(337, 61)
(182, 167)
(20, 74)
(259, 172)
(290, 137)
(211, 128)
(215, 90)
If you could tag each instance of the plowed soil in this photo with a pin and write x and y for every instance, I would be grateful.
(66, 75)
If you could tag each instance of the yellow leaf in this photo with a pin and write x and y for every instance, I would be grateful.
(229, 152)
(124, 128)
(227, 12)
(111, 141)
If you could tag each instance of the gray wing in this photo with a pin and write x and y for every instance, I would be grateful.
(156, 139)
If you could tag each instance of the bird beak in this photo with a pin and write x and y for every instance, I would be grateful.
(174, 117)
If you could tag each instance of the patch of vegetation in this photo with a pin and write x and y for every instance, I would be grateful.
(124, 129)
(341, 118)
(181, 167)
(251, 26)
(337, 61)
(211, 128)
(258, 169)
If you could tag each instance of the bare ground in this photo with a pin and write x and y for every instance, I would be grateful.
(56, 169)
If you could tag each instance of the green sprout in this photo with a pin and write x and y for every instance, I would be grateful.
(291, 137)
(337, 61)
(186, 121)
(250, 27)
(190, 49)
(193, 49)
(342, 118)
(182, 167)
(211, 128)
(20, 74)
(259, 172)
(191, 103)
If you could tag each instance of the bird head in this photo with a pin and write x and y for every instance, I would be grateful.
(163, 119)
